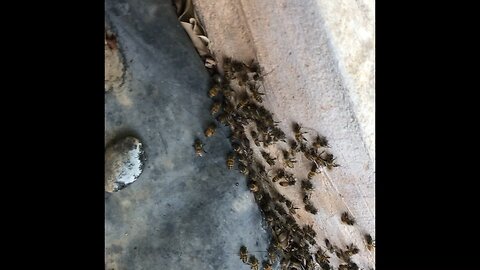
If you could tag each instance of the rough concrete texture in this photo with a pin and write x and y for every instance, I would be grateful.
(183, 212)
(320, 55)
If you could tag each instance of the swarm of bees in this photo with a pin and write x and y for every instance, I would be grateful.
(237, 103)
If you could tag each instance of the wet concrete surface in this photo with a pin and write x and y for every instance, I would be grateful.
(184, 211)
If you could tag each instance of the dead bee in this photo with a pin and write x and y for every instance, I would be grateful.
(308, 230)
(268, 159)
(224, 118)
(290, 207)
(256, 94)
(320, 141)
(313, 171)
(370, 242)
(253, 262)
(348, 266)
(230, 160)
(267, 266)
(347, 219)
(310, 208)
(351, 250)
(215, 107)
(255, 138)
(242, 168)
(279, 175)
(294, 147)
(306, 197)
(243, 254)
(213, 92)
(198, 145)
(289, 161)
(243, 101)
(330, 161)
(210, 131)
(329, 245)
(322, 257)
(298, 133)
(253, 186)
(307, 185)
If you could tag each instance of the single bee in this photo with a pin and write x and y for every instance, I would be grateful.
(298, 133)
(289, 182)
(290, 207)
(213, 92)
(256, 94)
(307, 185)
(255, 138)
(320, 141)
(370, 242)
(329, 246)
(308, 230)
(294, 147)
(322, 257)
(242, 168)
(253, 262)
(215, 107)
(347, 219)
(243, 254)
(310, 208)
(267, 266)
(198, 145)
(243, 101)
(230, 161)
(343, 267)
(253, 186)
(268, 159)
(224, 118)
(330, 161)
(210, 131)
(313, 171)
(351, 250)
(289, 161)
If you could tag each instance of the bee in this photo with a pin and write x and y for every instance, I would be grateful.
(351, 250)
(210, 131)
(289, 182)
(253, 186)
(330, 161)
(290, 207)
(267, 266)
(253, 262)
(230, 161)
(255, 138)
(256, 94)
(348, 266)
(213, 92)
(224, 118)
(370, 242)
(329, 245)
(343, 267)
(313, 171)
(289, 161)
(279, 175)
(268, 159)
(294, 149)
(322, 257)
(243, 254)
(347, 219)
(243, 101)
(310, 208)
(298, 133)
(242, 168)
(308, 230)
(198, 145)
(215, 107)
(307, 185)
(320, 141)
